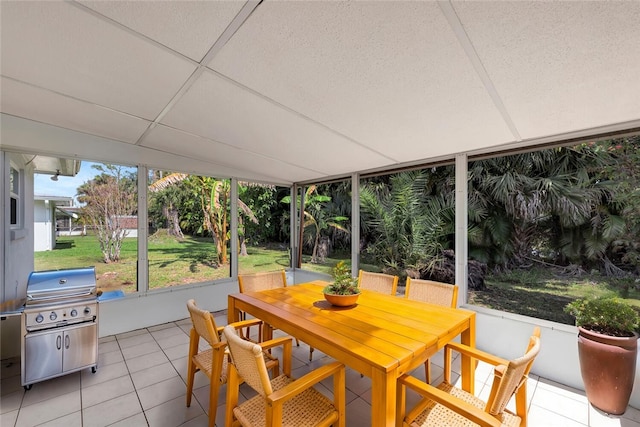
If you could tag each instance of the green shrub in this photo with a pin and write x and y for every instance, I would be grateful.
(606, 315)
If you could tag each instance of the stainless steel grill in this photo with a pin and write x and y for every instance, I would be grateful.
(59, 324)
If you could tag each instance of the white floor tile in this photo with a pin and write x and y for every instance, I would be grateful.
(71, 420)
(152, 375)
(146, 361)
(47, 410)
(9, 418)
(104, 373)
(173, 340)
(52, 388)
(146, 369)
(11, 402)
(111, 411)
(140, 350)
(107, 390)
(135, 421)
(172, 414)
(161, 392)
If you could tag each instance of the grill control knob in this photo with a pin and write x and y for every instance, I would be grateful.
(53, 315)
(74, 312)
(39, 318)
(87, 310)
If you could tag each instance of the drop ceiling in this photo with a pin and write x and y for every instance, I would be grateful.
(284, 91)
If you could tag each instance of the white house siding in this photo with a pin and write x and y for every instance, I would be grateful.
(43, 226)
(18, 251)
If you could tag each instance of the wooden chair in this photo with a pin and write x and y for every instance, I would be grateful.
(282, 401)
(447, 405)
(261, 282)
(213, 360)
(379, 282)
(432, 292)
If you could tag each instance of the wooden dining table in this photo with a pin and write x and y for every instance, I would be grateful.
(382, 336)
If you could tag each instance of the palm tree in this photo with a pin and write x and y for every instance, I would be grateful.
(317, 218)
(527, 196)
(409, 220)
(212, 198)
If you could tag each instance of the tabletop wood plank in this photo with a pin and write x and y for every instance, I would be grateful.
(326, 336)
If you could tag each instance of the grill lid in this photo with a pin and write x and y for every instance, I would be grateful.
(61, 284)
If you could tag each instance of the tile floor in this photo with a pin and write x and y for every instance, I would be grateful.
(141, 381)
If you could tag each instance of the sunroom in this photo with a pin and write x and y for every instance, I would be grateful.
(296, 94)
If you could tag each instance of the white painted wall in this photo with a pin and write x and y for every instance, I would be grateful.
(17, 245)
(167, 305)
(506, 335)
(43, 226)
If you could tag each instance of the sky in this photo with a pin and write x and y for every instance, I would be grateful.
(65, 186)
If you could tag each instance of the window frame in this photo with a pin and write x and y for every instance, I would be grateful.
(16, 197)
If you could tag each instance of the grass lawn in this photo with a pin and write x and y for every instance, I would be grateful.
(538, 292)
(543, 292)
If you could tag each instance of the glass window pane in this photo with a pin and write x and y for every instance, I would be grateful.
(263, 228)
(189, 236)
(407, 224)
(326, 236)
(100, 204)
(14, 182)
(555, 225)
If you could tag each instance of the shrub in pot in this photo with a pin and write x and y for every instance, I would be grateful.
(343, 291)
(607, 348)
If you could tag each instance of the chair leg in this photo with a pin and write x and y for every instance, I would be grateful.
(214, 383)
(191, 372)
(194, 340)
(427, 371)
(213, 401)
(311, 353)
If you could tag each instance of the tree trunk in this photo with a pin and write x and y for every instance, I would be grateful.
(243, 247)
(174, 223)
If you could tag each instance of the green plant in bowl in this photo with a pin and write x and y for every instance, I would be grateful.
(343, 283)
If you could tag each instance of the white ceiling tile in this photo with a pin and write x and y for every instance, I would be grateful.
(559, 66)
(237, 162)
(188, 27)
(222, 111)
(22, 100)
(58, 46)
(390, 75)
(306, 90)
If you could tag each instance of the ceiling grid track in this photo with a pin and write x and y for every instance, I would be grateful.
(226, 35)
(454, 22)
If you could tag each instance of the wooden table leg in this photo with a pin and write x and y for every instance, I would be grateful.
(383, 398)
(468, 337)
(233, 314)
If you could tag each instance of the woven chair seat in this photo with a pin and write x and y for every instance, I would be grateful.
(203, 361)
(304, 410)
(436, 415)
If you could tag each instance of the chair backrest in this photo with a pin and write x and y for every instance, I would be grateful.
(262, 281)
(508, 379)
(248, 360)
(203, 322)
(439, 293)
(379, 282)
